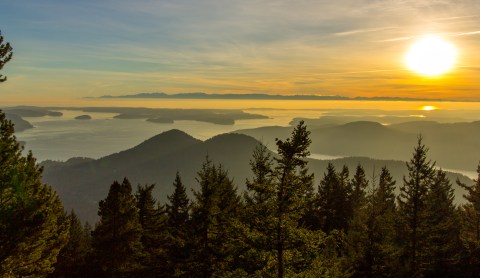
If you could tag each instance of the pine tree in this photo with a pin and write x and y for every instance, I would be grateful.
(117, 237)
(277, 238)
(178, 210)
(294, 187)
(216, 206)
(33, 229)
(373, 250)
(72, 258)
(358, 185)
(443, 232)
(470, 218)
(153, 221)
(5, 55)
(333, 203)
(257, 219)
(413, 210)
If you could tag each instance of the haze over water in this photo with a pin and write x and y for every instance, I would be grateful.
(60, 138)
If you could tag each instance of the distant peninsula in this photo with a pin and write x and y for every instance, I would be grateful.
(199, 95)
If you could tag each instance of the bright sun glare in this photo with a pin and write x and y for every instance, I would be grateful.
(431, 56)
(429, 108)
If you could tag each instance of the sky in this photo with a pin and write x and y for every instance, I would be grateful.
(75, 49)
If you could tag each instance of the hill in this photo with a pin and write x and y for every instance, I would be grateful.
(452, 145)
(83, 182)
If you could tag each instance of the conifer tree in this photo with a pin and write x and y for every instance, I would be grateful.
(258, 215)
(333, 204)
(470, 218)
(117, 237)
(33, 229)
(372, 248)
(358, 185)
(72, 258)
(443, 230)
(413, 210)
(178, 211)
(215, 207)
(153, 221)
(294, 187)
(5, 55)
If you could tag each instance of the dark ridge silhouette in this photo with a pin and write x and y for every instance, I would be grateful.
(82, 182)
(452, 145)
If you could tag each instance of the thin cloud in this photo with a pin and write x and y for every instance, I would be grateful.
(360, 31)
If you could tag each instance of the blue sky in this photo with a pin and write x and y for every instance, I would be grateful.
(72, 49)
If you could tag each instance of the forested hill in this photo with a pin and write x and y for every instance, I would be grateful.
(451, 145)
(82, 183)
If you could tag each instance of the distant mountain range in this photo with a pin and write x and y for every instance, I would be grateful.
(452, 145)
(199, 95)
(83, 182)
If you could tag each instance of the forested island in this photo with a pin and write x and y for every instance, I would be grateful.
(282, 225)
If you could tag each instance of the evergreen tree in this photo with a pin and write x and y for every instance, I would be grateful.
(33, 229)
(117, 237)
(153, 221)
(294, 187)
(72, 258)
(5, 55)
(358, 185)
(443, 232)
(333, 204)
(470, 218)
(178, 228)
(276, 235)
(216, 206)
(258, 216)
(372, 247)
(413, 210)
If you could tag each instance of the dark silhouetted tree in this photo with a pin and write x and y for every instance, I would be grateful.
(153, 221)
(33, 229)
(5, 55)
(72, 258)
(470, 219)
(443, 230)
(117, 237)
(178, 211)
(413, 210)
(333, 200)
(216, 206)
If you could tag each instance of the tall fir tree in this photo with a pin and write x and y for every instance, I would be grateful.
(178, 226)
(443, 245)
(357, 189)
(294, 189)
(153, 221)
(413, 211)
(257, 218)
(72, 258)
(33, 228)
(334, 208)
(116, 239)
(216, 206)
(470, 219)
(372, 247)
(5, 55)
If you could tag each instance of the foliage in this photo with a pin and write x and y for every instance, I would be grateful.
(153, 221)
(117, 237)
(33, 229)
(178, 228)
(5, 55)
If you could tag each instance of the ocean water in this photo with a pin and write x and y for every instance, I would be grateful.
(60, 138)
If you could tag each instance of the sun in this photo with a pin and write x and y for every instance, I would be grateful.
(431, 56)
(428, 108)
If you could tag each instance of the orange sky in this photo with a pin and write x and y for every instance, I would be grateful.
(348, 48)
